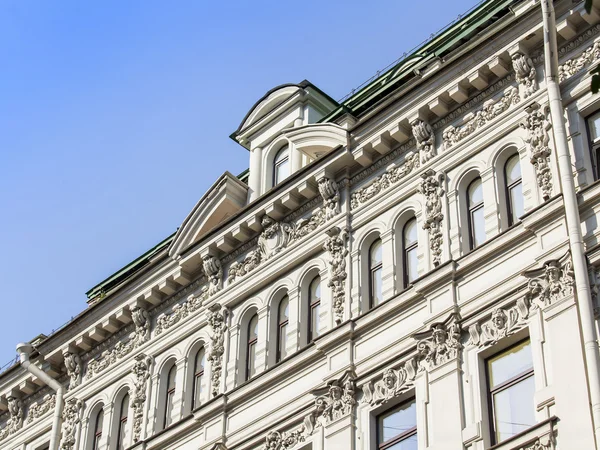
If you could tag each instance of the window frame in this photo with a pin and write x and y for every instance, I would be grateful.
(313, 328)
(503, 386)
(170, 396)
(281, 327)
(594, 146)
(123, 419)
(471, 209)
(372, 270)
(98, 428)
(399, 437)
(406, 249)
(509, 187)
(250, 344)
(198, 376)
(279, 161)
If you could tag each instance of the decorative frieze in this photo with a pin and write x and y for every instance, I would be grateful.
(575, 65)
(214, 273)
(525, 73)
(284, 441)
(141, 373)
(537, 126)
(15, 419)
(438, 345)
(74, 368)
(41, 407)
(335, 246)
(432, 189)
(553, 282)
(491, 109)
(393, 383)
(70, 422)
(216, 320)
(329, 190)
(425, 138)
(502, 323)
(180, 311)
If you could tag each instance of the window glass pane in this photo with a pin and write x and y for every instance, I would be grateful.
(282, 154)
(282, 342)
(376, 287)
(314, 320)
(410, 443)
(594, 124)
(375, 253)
(253, 328)
(410, 232)
(477, 227)
(197, 390)
(99, 421)
(475, 192)
(284, 309)
(171, 381)
(516, 201)
(509, 364)
(411, 264)
(513, 170)
(514, 410)
(315, 290)
(282, 171)
(397, 422)
(251, 358)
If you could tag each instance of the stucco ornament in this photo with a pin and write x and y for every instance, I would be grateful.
(181, 311)
(425, 138)
(41, 407)
(525, 73)
(284, 441)
(141, 320)
(502, 323)
(70, 423)
(432, 190)
(15, 419)
(214, 273)
(537, 126)
(74, 369)
(575, 65)
(328, 189)
(141, 374)
(274, 237)
(551, 283)
(238, 269)
(216, 320)
(439, 345)
(393, 383)
(335, 246)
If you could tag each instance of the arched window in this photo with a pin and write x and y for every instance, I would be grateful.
(283, 320)
(199, 363)
(314, 305)
(122, 429)
(476, 217)
(98, 429)
(251, 347)
(170, 398)
(281, 165)
(375, 269)
(409, 251)
(514, 188)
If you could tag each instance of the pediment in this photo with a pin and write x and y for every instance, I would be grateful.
(268, 103)
(223, 199)
(317, 139)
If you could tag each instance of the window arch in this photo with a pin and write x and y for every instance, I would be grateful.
(283, 320)
(476, 218)
(375, 269)
(122, 422)
(251, 344)
(281, 165)
(98, 423)
(198, 379)
(410, 244)
(170, 385)
(314, 307)
(513, 182)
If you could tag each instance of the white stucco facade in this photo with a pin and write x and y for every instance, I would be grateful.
(323, 374)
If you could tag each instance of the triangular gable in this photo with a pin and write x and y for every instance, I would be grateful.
(224, 198)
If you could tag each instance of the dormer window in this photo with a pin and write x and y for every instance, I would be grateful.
(281, 165)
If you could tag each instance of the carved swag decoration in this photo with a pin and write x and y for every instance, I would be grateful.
(139, 336)
(425, 139)
(575, 65)
(15, 419)
(71, 420)
(537, 127)
(180, 311)
(41, 407)
(432, 190)
(73, 365)
(141, 373)
(525, 73)
(393, 383)
(214, 273)
(335, 246)
(332, 403)
(554, 281)
(502, 323)
(216, 320)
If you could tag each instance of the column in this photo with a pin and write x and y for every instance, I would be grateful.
(255, 177)
(295, 159)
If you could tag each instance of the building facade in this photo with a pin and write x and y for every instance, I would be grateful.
(394, 271)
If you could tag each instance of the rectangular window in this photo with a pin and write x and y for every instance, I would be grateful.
(511, 388)
(397, 428)
(593, 125)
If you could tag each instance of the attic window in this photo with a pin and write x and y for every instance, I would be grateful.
(281, 165)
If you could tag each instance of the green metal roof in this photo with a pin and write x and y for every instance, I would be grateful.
(403, 71)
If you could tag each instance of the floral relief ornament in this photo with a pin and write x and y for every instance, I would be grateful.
(41, 407)
(551, 283)
(141, 373)
(335, 246)
(573, 66)
(440, 344)
(216, 320)
(70, 421)
(503, 323)
(432, 189)
(537, 126)
(181, 311)
(393, 383)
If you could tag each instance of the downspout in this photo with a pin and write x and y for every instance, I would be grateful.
(584, 298)
(24, 351)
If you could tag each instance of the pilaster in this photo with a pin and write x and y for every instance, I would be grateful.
(387, 276)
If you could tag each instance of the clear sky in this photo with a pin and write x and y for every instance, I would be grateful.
(115, 117)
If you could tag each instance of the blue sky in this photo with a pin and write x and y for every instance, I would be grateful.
(115, 117)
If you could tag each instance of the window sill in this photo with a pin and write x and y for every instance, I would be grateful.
(544, 433)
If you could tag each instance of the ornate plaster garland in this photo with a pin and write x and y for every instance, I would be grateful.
(217, 317)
